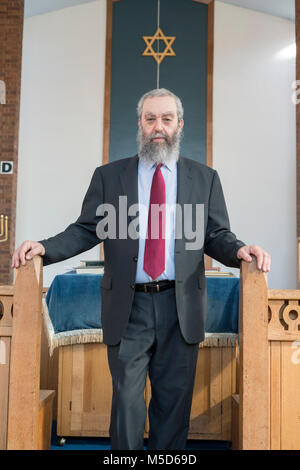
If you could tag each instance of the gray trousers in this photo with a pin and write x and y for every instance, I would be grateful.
(152, 343)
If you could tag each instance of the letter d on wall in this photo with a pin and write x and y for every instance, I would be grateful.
(6, 168)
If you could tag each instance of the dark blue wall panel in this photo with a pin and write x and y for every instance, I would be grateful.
(134, 74)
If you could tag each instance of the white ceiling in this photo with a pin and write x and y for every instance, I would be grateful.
(281, 8)
(37, 7)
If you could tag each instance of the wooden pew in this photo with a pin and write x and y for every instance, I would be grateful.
(26, 411)
(266, 410)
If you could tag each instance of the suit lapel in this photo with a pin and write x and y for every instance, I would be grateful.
(184, 181)
(184, 193)
(129, 182)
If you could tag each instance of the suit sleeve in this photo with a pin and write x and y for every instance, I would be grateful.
(81, 235)
(220, 243)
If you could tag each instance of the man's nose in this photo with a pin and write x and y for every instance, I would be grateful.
(158, 125)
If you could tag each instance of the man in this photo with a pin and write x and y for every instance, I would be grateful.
(153, 289)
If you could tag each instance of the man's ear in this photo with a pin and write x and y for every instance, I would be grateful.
(181, 123)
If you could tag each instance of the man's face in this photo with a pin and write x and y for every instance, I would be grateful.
(159, 130)
(159, 120)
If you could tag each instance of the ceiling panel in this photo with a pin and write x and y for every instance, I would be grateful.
(281, 8)
(38, 7)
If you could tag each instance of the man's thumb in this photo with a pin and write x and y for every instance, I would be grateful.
(30, 254)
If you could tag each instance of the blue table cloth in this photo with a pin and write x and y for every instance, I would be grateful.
(73, 308)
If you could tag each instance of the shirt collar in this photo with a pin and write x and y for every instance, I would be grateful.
(171, 165)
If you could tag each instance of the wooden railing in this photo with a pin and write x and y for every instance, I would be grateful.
(284, 367)
(266, 410)
(6, 306)
(20, 347)
(253, 358)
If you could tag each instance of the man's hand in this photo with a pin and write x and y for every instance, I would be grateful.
(26, 251)
(263, 258)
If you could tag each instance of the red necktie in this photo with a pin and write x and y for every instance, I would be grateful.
(154, 256)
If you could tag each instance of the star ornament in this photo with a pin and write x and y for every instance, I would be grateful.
(159, 36)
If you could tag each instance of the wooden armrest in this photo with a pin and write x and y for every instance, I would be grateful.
(45, 397)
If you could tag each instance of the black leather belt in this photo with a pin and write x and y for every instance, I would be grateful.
(153, 287)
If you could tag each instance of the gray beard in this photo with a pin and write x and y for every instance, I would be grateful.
(158, 152)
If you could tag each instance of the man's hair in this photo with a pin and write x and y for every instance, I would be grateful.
(160, 92)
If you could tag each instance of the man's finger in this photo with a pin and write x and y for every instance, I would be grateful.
(24, 249)
(258, 252)
(245, 255)
(22, 256)
(259, 261)
(30, 254)
(33, 252)
(267, 262)
(15, 261)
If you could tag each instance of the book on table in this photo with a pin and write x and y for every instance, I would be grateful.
(97, 267)
(90, 267)
(88, 263)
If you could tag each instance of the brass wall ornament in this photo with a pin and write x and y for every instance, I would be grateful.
(3, 228)
(159, 36)
(157, 55)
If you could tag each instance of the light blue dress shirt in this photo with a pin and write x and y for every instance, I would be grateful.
(145, 175)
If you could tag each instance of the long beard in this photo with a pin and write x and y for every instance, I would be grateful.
(159, 152)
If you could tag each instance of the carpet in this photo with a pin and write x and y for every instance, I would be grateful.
(102, 443)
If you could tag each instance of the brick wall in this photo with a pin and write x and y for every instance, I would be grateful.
(11, 33)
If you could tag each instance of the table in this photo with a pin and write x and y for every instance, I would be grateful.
(72, 309)
(72, 314)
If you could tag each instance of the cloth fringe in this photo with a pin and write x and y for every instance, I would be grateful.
(95, 335)
(66, 338)
(219, 340)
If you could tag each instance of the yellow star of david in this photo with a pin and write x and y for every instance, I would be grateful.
(159, 36)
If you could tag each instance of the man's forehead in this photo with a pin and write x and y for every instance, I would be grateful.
(160, 105)
(165, 113)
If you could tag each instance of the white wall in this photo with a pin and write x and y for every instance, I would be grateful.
(254, 138)
(61, 121)
(254, 133)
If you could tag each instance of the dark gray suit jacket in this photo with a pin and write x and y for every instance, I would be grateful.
(196, 184)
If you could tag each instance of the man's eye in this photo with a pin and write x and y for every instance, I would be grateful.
(150, 119)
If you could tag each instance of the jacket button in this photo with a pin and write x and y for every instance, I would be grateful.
(135, 258)
(132, 286)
